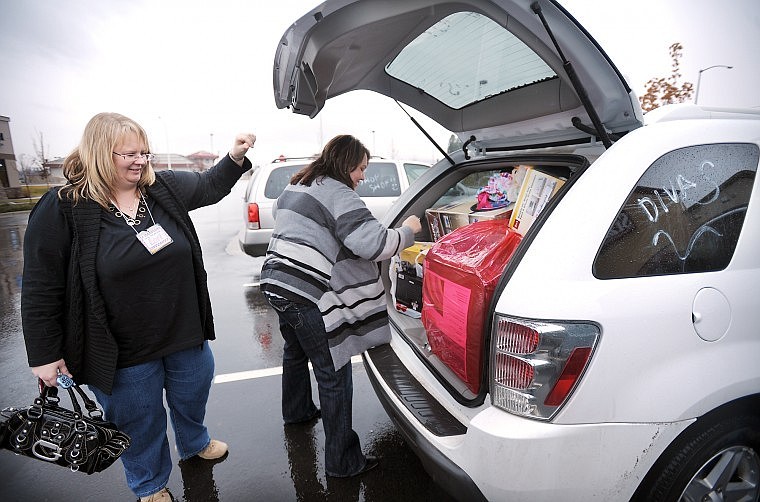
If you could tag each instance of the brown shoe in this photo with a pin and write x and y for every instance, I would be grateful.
(162, 495)
(215, 449)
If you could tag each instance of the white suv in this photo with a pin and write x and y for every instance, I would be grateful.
(616, 354)
(384, 181)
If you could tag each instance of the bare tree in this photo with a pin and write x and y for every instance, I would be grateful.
(41, 159)
(663, 91)
(26, 162)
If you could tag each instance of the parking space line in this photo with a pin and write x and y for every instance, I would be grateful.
(266, 372)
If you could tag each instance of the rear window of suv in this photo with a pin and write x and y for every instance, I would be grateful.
(380, 180)
(279, 179)
(684, 215)
(467, 57)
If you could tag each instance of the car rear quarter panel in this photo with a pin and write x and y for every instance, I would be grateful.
(650, 365)
(523, 459)
(515, 458)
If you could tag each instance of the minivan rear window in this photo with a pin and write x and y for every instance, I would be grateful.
(684, 215)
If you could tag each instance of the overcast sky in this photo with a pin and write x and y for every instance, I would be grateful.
(196, 72)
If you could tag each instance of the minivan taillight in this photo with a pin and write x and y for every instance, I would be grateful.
(536, 365)
(253, 216)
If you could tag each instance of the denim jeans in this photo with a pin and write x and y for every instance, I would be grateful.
(303, 329)
(136, 406)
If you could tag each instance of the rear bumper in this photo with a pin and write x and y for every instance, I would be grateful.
(488, 454)
(444, 472)
(254, 242)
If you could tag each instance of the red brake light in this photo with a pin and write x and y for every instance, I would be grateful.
(570, 373)
(253, 215)
(516, 338)
(536, 365)
(513, 372)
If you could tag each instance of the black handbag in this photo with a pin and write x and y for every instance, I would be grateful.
(46, 431)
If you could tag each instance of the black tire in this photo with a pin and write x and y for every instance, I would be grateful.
(716, 459)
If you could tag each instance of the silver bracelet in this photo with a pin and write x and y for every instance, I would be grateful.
(236, 160)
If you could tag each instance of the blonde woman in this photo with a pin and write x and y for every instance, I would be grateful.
(115, 295)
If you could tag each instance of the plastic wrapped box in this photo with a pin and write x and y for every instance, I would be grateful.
(460, 274)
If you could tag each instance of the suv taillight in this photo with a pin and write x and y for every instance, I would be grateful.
(535, 365)
(253, 216)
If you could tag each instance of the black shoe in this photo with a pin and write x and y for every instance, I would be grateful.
(317, 414)
(371, 463)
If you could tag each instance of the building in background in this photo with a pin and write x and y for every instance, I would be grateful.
(54, 172)
(9, 183)
(203, 160)
(198, 161)
(172, 161)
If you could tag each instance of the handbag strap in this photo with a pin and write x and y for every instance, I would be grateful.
(49, 395)
(92, 408)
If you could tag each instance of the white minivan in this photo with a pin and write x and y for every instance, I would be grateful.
(615, 354)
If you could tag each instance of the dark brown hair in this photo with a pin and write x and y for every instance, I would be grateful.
(339, 157)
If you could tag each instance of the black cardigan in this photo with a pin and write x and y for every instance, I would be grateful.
(84, 340)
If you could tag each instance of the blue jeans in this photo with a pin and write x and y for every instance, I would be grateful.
(303, 329)
(136, 406)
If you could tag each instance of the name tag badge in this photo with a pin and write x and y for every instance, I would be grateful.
(154, 238)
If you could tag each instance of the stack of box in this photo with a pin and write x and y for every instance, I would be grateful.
(445, 219)
(536, 190)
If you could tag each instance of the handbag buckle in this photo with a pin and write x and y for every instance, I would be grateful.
(34, 412)
(52, 456)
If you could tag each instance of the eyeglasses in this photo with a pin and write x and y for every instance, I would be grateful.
(134, 156)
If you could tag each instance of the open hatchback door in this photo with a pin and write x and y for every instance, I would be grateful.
(511, 73)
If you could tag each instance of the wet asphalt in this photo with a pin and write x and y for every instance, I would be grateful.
(267, 461)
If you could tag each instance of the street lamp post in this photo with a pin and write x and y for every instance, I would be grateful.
(699, 78)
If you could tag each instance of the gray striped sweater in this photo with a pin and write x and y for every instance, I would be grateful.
(323, 251)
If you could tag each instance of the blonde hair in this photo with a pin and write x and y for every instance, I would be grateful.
(90, 169)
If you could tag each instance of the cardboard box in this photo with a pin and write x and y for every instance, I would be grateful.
(444, 219)
(492, 214)
(415, 254)
(535, 192)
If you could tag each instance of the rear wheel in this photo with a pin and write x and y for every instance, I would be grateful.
(714, 460)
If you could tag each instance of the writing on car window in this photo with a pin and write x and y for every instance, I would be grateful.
(684, 215)
(380, 180)
(278, 179)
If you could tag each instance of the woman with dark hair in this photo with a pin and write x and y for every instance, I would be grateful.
(320, 275)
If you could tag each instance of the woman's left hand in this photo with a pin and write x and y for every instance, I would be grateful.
(242, 143)
(48, 373)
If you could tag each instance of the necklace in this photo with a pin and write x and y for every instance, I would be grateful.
(141, 205)
(131, 207)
